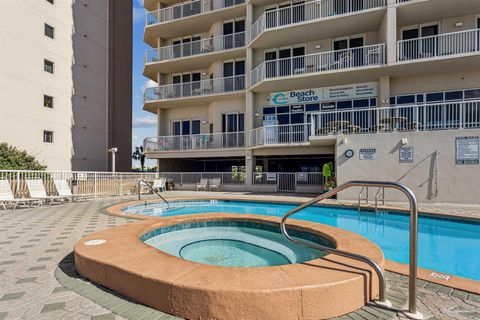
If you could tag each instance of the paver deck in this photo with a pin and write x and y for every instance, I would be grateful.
(36, 246)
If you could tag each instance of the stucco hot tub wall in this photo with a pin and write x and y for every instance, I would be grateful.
(322, 288)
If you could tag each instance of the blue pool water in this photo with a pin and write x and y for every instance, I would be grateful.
(444, 245)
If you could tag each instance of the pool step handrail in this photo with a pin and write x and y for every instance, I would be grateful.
(149, 185)
(379, 196)
(412, 284)
(359, 198)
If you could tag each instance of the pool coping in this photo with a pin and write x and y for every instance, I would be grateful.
(128, 266)
(448, 280)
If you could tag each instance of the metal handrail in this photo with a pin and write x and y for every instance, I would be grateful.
(359, 198)
(151, 188)
(412, 298)
(377, 196)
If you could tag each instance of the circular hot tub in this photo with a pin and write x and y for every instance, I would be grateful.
(231, 266)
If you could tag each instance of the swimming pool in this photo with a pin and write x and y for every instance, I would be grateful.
(444, 245)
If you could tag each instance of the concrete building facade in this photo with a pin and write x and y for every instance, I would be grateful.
(65, 81)
(383, 89)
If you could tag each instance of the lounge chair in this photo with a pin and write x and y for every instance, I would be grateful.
(215, 184)
(202, 184)
(37, 191)
(63, 190)
(8, 199)
(159, 185)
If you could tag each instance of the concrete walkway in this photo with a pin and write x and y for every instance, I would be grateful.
(36, 246)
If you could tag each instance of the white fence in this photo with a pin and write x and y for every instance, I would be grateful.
(195, 88)
(206, 141)
(461, 42)
(439, 116)
(320, 62)
(301, 12)
(280, 134)
(187, 9)
(204, 46)
(288, 181)
(192, 178)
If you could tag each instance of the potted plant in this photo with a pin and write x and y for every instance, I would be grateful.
(329, 176)
(170, 184)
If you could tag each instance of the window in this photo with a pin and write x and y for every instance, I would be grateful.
(47, 101)
(49, 31)
(47, 136)
(48, 66)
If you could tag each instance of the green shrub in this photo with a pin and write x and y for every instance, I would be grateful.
(12, 158)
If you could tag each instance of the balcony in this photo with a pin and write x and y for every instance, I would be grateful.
(194, 55)
(197, 15)
(198, 142)
(278, 135)
(306, 21)
(331, 62)
(196, 92)
(440, 46)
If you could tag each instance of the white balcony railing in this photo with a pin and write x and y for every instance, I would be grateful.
(373, 55)
(427, 117)
(188, 9)
(310, 11)
(204, 46)
(446, 44)
(207, 141)
(195, 88)
(280, 134)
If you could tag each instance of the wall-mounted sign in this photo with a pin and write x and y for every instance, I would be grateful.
(302, 176)
(349, 153)
(406, 154)
(353, 91)
(271, 176)
(467, 150)
(368, 154)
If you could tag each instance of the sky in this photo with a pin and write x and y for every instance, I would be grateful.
(144, 123)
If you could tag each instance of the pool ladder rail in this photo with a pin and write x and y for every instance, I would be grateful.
(149, 186)
(363, 196)
(412, 312)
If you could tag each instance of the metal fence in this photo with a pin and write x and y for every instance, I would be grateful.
(204, 46)
(461, 42)
(187, 9)
(301, 12)
(288, 181)
(189, 178)
(207, 141)
(280, 134)
(195, 88)
(320, 62)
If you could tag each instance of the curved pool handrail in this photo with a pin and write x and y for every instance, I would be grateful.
(412, 292)
(145, 182)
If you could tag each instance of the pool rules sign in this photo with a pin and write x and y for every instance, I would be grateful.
(467, 150)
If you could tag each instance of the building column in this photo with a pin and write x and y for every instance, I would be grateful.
(384, 91)
(391, 32)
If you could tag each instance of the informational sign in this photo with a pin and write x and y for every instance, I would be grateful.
(302, 176)
(353, 91)
(82, 176)
(467, 150)
(368, 154)
(406, 154)
(271, 176)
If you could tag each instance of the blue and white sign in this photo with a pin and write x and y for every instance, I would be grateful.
(353, 91)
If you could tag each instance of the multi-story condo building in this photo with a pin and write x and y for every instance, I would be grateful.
(65, 81)
(384, 89)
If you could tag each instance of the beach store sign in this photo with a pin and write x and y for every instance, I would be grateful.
(353, 91)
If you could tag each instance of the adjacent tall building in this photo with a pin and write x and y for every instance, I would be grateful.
(384, 89)
(65, 81)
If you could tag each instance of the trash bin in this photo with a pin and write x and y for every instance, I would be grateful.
(74, 186)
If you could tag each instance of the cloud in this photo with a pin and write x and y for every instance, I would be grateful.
(138, 14)
(140, 2)
(147, 84)
(145, 122)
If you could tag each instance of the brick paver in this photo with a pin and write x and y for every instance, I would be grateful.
(35, 250)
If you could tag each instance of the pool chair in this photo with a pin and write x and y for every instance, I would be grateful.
(63, 190)
(215, 184)
(7, 198)
(202, 184)
(159, 185)
(37, 191)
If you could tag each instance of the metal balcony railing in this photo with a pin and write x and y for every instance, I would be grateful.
(280, 134)
(200, 47)
(195, 88)
(446, 44)
(207, 141)
(426, 117)
(187, 9)
(320, 62)
(309, 11)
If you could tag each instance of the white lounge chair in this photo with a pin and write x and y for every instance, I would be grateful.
(159, 185)
(63, 190)
(37, 190)
(215, 184)
(8, 199)
(202, 184)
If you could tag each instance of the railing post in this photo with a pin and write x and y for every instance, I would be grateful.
(95, 184)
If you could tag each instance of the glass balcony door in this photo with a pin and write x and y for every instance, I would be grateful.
(232, 72)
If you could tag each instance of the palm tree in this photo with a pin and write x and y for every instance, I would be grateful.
(139, 155)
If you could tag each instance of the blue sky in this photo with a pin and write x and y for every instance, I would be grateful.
(144, 123)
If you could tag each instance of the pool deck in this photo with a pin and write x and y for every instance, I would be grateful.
(38, 279)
